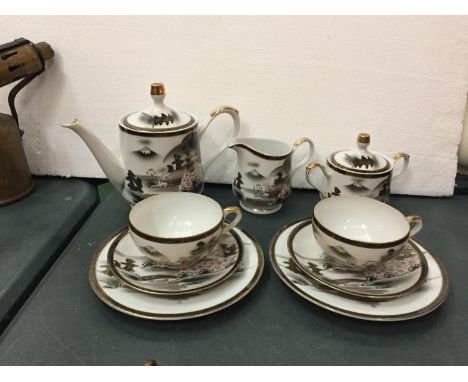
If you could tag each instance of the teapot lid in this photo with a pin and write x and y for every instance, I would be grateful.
(158, 117)
(360, 159)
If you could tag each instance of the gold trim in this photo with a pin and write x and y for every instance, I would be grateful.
(399, 155)
(357, 243)
(159, 132)
(114, 270)
(234, 222)
(310, 166)
(363, 138)
(299, 141)
(261, 155)
(152, 316)
(175, 240)
(374, 297)
(157, 88)
(357, 173)
(418, 224)
(223, 109)
(407, 316)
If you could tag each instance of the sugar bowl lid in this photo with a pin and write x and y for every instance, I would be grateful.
(359, 160)
(158, 117)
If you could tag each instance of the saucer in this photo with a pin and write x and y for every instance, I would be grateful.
(396, 277)
(127, 300)
(418, 303)
(141, 273)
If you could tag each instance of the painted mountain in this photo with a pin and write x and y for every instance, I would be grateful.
(188, 144)
(145, 153)
(254, 175)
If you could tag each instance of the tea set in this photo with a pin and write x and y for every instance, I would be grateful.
(183, 255)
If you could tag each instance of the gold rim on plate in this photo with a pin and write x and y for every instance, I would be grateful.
(345, 291)
(181, 316)
(155, 292)
(369, 317)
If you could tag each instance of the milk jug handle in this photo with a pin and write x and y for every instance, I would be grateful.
(234, 113)
(306, 157)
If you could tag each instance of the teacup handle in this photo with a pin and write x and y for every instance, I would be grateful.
(229, 211)
(311, 166)
(307, 157)
(417, 220)
(234, 113)
(405, 164)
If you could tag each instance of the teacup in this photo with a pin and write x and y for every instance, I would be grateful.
(176, 229)
(361, 232)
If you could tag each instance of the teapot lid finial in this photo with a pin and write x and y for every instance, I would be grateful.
(159, 117)
(157, 88)
(363, 138)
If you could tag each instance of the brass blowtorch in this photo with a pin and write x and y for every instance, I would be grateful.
(19, 60)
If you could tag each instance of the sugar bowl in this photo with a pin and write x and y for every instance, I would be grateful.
(358, 172)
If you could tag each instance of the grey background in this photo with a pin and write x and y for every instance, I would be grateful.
(33, 233)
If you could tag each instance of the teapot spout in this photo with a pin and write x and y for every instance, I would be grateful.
(109, 162)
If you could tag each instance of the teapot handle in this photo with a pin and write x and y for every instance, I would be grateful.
(307, 157)
(234, 113)
(406, 158)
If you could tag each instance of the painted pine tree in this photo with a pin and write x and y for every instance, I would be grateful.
(238, 181)
(279, 178)
(134, 183)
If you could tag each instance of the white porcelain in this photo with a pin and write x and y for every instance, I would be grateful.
(361, 232)
(159, 149)
(264, 172)
(394, 278)
(129, 301)
(421, 302)
(358, 172)
(178, 229)
(127, 264)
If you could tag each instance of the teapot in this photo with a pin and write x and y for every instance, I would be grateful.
(159, 149)
(358, 172)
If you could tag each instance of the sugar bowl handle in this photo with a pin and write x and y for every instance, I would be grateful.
(405, 164)
(229, 211)
(309, 168)
(234, 113)
(307, 157)
(417, 220)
